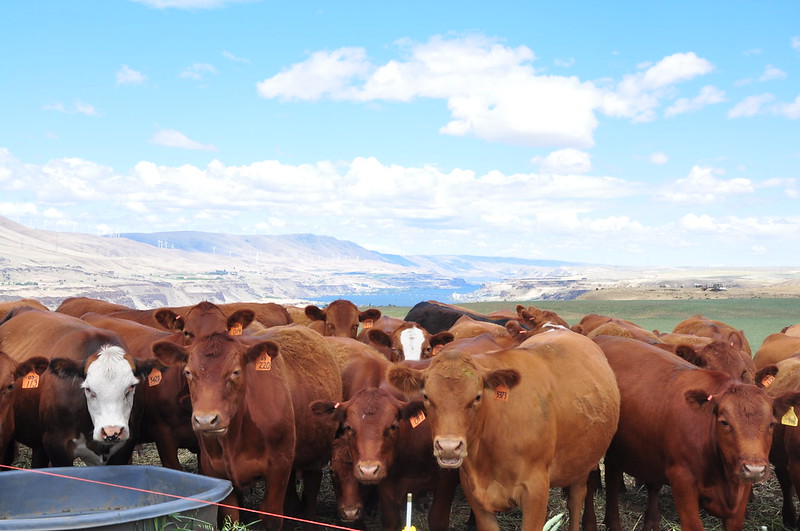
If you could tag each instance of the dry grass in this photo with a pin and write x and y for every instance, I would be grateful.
(764, 510)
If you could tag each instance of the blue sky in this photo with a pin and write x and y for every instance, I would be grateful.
(624, 133)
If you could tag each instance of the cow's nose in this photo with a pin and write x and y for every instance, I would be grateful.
(111, 433)
(449, 446)
(350, 514)
(754, 472)
(368, 470)
(208, 421)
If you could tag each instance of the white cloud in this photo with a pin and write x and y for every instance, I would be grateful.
(750, 106)
(659, 158)
(128, 76)
(708, 95)
(703, 187)
(173, 138)
(197, 71)
(13, 209)
(795, 43)
(771, 73)
(189, 4)
(567, 160)
(79, 107)
(492, 90)
(752, 51)
(565, 63)
(229, 55)
(763, 104)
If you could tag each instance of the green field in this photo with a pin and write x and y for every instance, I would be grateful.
(756, 317)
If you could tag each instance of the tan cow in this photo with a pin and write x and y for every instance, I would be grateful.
(520, 421)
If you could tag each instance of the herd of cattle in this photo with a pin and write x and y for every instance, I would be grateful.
(509, 405)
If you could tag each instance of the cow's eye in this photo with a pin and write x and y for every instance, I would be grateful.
(90, 393)
(131, 389)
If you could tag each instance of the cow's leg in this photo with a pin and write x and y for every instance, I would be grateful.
(228, 508)
(794, 480)
(788, 511)
(534, 503)
(390, 506)
(312, 481)
(685, 496)
(589, 515)
(276, 483)
(576, 501)
(736, 521)
(167, 449)
(444, 492)
(614, 481)
(484, 520)
(652, 514)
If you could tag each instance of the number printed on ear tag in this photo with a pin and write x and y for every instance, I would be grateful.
(264, 362)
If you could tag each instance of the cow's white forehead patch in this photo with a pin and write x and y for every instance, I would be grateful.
(412, 340)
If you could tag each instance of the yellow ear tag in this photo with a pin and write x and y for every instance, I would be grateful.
(417, 419)
(501, 392)
(264, 362)
(31, 380)
(367, 323)
(235, 330)
(790, 418)
(154, 378)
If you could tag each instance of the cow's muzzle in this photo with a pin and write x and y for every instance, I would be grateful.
(449, 451)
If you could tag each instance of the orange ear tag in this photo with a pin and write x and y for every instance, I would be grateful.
(235, 330)
(501, 392)
(31, 380)
(767, 380)
(264, 362)
(437, 349)
(154, 378)
(367, 323)
(417, 419)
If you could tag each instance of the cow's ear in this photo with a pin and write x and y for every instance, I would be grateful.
(66, 368)
(689, 354)
(379, 337)
(270, 348)
(441, 339)
(766, 375)
(411, 409)
(314, 313)
(784, 401)
(405, 378)
(698, 399)
(170, 320)
(37, 364)
(372, 313)
(336, 410)
(241, 319)
(145, 367)
(507, 377)
(169, 353)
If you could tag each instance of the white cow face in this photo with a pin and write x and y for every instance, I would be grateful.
(109, 385)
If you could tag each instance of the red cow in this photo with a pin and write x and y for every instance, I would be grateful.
(516, 425)
(703, 432)
(231, 380)
(785, 452)
(701, 326)
(775, 348)
(381, 441)
(10, 372)
(340, 318)
(438, 317)
(6, 307)
(84, 403)
(712, 354)
(409, 341)
(167, 406)
(538, 320)
(77, 306)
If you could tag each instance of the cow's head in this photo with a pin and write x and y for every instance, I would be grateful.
(744, 418)
(10, 371)
(371, 423)
(408, 342)
(453, 388)
(216, 368)
(341, 318)
(110, 377)
(204, 319)
(721, 356)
